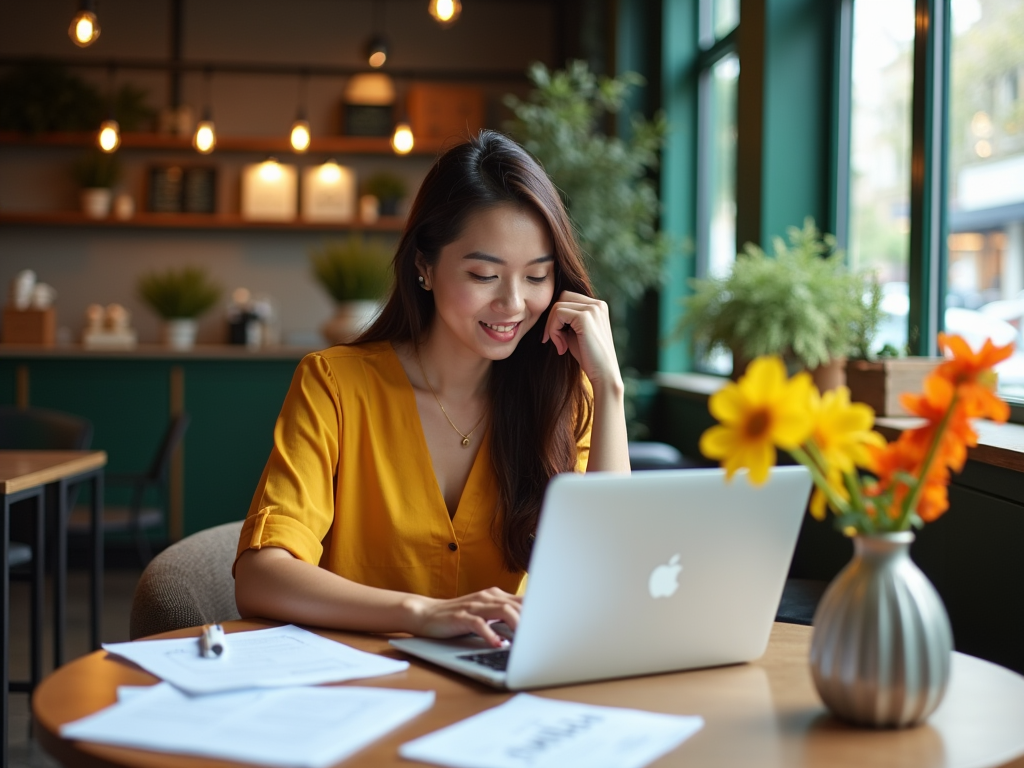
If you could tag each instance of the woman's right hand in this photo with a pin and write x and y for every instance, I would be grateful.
(470, 613)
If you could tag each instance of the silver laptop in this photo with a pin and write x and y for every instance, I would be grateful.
(643, 573)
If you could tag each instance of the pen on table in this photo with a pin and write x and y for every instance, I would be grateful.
(211, 642)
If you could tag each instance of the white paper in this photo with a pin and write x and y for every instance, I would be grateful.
(544, 733)
(288, 727)
(265, 658)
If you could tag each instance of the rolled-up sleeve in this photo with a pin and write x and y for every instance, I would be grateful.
(293, 507)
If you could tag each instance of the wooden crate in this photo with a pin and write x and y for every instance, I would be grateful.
(879, 383)
(30, 326)
(438, 111)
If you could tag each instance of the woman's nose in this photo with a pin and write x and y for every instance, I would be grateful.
(510, 300)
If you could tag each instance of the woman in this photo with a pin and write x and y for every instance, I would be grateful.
(408, 468)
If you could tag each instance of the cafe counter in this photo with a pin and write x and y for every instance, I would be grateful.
(233, 395)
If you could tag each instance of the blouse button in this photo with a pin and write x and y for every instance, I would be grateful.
(453, 546)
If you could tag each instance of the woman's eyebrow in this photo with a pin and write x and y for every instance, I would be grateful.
(477, 256)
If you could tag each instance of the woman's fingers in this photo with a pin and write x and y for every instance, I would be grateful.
(473, 613)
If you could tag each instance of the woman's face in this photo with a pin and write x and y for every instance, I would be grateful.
(492, 284)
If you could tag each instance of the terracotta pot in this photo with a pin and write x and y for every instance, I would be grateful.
(350, 319)
(96, 202)
(831, 375)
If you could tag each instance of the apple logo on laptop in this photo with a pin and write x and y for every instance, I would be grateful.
(664, 580)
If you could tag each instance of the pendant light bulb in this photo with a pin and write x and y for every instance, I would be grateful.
(377, 52)
(300, 136)
(445, 12)
(402, 141)
(84, 27)
(205, 137)
(109, 137)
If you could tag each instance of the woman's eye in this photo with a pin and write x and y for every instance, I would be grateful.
(537, 279)
(483, 278)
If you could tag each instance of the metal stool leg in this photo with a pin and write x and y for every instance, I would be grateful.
(38, 590)
(60, 574)
(5, 620)
(96, 510)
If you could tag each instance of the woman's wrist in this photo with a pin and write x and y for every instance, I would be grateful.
(413, 608)
(609, 387)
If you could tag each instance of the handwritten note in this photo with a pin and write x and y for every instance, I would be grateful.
(534, 732)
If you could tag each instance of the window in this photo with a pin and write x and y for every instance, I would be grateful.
(880, 137)
(985, 274)
(716, 148)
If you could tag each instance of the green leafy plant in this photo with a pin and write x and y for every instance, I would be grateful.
(97, 169)
(177, 294)
(605, 180)
(801, 303)
(352, 270)
(385, 186)
(41, 96)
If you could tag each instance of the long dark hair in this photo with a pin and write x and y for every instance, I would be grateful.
(539, 406)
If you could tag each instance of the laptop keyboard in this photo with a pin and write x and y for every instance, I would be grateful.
(497, 660)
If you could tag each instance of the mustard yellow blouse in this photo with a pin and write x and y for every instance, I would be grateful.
(350, 486)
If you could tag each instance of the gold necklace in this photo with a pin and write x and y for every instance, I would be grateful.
(465, 437)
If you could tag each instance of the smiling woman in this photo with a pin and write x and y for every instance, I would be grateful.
(408, 468)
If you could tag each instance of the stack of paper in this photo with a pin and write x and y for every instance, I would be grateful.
(254, 703)
(266, 658)
(302, 727)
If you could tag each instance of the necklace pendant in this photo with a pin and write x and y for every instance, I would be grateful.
(465, 442)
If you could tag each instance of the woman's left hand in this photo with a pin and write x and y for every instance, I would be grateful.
(580, 324)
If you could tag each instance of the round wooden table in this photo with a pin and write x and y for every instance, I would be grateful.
(761, 714)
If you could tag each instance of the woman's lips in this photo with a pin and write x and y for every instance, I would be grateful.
(500, 331)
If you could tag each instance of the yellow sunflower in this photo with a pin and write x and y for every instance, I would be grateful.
(761, 412)
(841, 434)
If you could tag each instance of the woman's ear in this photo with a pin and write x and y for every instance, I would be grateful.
(424, 272)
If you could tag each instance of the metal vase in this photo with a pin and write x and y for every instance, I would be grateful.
(882, 644)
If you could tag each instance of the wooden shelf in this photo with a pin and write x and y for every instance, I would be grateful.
(323, 145)
(192, 221)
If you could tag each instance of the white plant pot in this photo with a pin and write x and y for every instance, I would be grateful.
(180, 334)
(350, 319)
(96, 202)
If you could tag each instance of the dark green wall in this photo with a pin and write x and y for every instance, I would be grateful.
(233, 405)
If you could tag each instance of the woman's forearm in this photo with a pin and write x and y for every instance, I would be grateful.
(271, 583)
(609, 446)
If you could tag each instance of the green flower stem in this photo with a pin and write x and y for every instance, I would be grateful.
(852, 481)
(910, 503)
(819, 480)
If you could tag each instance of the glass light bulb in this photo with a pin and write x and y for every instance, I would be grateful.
(377, 59)
(445, 12)
(402, 141)
(270, 171)
(330, 172)
(84, 29)
(205, 137)
(109, 137)
(300, 137)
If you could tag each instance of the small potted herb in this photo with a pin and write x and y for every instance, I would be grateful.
(355, 273)
(802, 304)
(179, 297)
(96, 174)
(389, 189)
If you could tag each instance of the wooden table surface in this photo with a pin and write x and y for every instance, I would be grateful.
(761, 714)
(27, 469)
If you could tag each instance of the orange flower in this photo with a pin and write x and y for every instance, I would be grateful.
(905, 456)
(932, 405)
(971, 373)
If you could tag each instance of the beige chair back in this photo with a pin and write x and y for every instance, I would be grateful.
(188, 584)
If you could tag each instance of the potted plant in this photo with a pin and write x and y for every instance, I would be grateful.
(879, 379)
(355, 273)
(801, 304)
(607, 185)
(389, 189)
(97, 173)
(179, 297)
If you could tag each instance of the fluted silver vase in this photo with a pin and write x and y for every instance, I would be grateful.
(882, 644)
